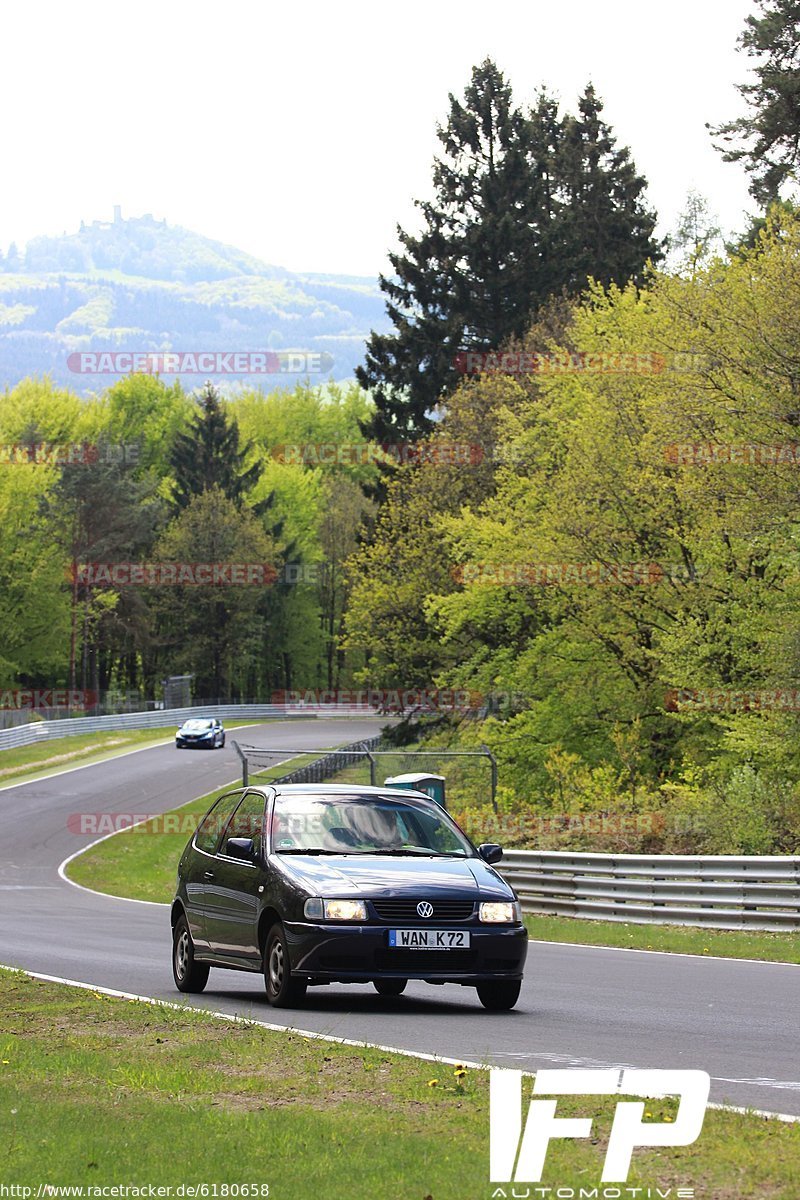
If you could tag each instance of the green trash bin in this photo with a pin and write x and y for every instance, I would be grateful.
(431, 785)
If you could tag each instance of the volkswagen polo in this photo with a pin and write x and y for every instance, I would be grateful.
(314, 885)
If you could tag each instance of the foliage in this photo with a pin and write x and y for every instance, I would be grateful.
(624, 470)
(767, 140)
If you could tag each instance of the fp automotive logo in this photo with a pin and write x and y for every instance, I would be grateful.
(517, 1154)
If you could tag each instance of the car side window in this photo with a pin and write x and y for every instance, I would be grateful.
(213, 823)
(247, 821)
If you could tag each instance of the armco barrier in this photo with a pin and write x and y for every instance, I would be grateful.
(165, 718)
(717, 891)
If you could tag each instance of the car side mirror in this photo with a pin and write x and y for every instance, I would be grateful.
(490, 852)
(243, 848)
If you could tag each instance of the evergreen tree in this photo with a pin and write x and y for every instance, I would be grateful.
(767, 141)
(604, 229)
(525, 207)
(464, 282)
(208, 456)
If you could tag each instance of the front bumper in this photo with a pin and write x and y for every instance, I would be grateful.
(354, 953)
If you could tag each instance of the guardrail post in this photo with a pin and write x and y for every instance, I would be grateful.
(493, 762)
(245, 772)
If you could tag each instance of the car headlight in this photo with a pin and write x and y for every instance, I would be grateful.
(500, 913)
(335, 910)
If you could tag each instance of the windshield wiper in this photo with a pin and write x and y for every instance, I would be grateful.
(415, 853)
(300, 850)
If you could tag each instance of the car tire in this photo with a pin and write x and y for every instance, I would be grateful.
(499, 995)
(222, 743)
(189, 976)
(282, 990)
(390, 987)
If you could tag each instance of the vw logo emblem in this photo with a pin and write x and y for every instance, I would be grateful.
(425, 909)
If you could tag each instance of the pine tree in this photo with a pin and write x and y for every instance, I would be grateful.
(208, 456)
(463, 283)
(604, 229)
(525, 208)
(767, 141)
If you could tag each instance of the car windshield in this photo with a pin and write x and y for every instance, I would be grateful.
(364, 825)
(197, 726)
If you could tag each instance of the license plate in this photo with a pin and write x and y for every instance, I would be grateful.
(429, 939)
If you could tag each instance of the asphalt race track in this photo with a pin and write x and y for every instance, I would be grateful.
(589, 1007)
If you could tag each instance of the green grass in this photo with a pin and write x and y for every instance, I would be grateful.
(141, 863)
(771, 947)
(194, 1100)
(43, 758)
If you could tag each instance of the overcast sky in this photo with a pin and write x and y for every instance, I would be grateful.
(302, 133)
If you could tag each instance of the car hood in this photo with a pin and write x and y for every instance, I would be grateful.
(393, 877)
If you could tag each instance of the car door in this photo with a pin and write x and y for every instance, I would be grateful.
(232, 898)
(198, 864)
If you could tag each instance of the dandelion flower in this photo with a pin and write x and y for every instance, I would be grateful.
(433, 1083)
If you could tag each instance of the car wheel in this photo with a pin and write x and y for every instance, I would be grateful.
(500, 995)
(390, 987)
(222, 743)
(282, 990)
(190, 976)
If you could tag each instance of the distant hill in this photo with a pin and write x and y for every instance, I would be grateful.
(142, 285)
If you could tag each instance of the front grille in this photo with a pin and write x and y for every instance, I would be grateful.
(405, 911)
(421, 961)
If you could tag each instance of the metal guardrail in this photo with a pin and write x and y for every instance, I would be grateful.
(716, 891)
(41, 731)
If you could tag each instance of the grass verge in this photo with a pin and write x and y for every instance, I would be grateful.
(771, 947)
(196, 1100)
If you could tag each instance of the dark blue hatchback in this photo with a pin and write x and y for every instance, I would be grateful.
(321, 884)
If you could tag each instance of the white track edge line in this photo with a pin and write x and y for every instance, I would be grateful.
(314, 1035)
